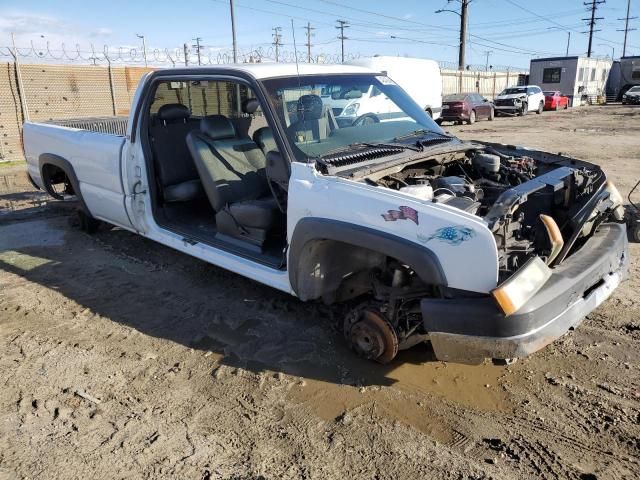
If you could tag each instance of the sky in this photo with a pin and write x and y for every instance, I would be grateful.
(511, 31)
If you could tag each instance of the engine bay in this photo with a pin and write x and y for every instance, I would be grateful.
(535, 204)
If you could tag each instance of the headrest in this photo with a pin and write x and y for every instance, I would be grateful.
(250, 105)
(173, 111)
(309, 107)
(217, 127)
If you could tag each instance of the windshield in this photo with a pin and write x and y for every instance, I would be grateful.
(634, 90)
(513, 91)
(318, 120)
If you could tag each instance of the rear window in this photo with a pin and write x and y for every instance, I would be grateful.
(455, 97)
(549, 94)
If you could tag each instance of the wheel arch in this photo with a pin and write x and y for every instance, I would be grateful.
(50, 164)
(324, 252)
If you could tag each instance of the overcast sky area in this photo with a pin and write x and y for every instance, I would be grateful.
(514, 31)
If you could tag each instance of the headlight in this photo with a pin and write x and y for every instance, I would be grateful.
(520, 287)
(616, 198)
(351, 110)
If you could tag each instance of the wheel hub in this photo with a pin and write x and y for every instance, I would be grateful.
(371, 336)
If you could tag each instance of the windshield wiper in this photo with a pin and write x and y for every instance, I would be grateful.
(423, 132)
(389, 145)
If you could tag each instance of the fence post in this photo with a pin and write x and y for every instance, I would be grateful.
(507, 76)
(112, 88)
(494, 85)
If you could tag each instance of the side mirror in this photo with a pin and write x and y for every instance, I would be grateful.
(277, 170)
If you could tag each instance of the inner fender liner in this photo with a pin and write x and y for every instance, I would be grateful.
(64, 165)
(357, 239)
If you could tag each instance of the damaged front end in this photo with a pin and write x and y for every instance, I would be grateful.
(560, 238)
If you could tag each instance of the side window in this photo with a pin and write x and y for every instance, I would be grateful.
(593, 74)
(581, 74)
(551, 75)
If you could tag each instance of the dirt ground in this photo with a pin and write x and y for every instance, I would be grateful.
(120, 358)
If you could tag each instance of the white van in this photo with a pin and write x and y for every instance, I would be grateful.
(419, 77)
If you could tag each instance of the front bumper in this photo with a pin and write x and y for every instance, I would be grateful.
(468, 330)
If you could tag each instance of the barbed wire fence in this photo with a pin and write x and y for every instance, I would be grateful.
(180, 56)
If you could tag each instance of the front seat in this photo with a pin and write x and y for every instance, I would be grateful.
(232, 171)
(311, 120)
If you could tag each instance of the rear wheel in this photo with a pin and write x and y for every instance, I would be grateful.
(439, 121)
(472, 118)
(566, 105)
(540, 108)
(492, 114)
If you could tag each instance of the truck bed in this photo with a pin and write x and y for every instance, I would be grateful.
(109, 125)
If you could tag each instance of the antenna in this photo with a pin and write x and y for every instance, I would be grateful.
(295, 51)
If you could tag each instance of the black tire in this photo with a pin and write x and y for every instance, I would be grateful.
(566, 105)
(439, 121)
(540, 108)
(523, 111)
(472, 118)
(635, 233)
(87, 223)
(492, 114)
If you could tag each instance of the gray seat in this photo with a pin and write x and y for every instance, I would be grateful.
(311, 120)
(177, 176)
(232, 172)
(264, 139)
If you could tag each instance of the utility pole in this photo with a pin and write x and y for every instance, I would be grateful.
(626, 28)
(144, 48)
(309, 28)
(233, 33)
(186, 54)
(464, 6)
(568, 42)
(486, 65)
(592, 21)
(342, 24)
(277, 37)
(198, 47)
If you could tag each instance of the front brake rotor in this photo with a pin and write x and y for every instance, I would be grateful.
(371, 336)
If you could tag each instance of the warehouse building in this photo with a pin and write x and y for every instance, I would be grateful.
(582, 79)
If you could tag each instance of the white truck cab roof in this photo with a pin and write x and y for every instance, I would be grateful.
(261, 71)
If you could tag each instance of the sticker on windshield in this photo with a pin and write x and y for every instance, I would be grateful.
(385, 80)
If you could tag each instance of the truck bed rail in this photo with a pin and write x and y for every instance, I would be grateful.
(109, 125)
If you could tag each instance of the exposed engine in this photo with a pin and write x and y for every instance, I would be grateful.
(524, 198)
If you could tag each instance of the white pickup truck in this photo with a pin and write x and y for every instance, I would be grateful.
(484, 250)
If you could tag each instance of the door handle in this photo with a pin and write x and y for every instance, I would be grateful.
(135, 191)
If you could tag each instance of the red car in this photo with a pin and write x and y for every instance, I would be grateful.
(466, 107)
(554, 100)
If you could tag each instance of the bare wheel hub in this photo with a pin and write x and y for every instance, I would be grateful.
(371, 336)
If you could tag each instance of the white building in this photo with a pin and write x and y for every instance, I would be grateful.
(582, 79)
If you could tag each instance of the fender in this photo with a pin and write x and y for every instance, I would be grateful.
(64, 165)
(423, 261)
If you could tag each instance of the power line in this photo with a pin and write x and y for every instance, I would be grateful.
(342, 24)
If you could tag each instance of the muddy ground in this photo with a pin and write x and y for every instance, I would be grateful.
(120, 358)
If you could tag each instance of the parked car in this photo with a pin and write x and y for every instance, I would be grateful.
(470, 245)
(631, 96)
(419, 77)
(466, 107)
(520, 100)
(554, 100)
